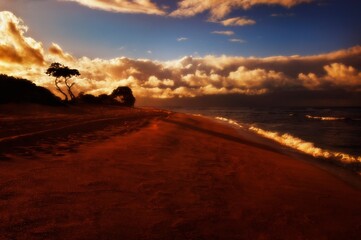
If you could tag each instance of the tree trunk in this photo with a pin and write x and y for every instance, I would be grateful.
(61, 91)
(72, 96)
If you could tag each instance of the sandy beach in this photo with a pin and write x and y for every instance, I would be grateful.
(114, 173)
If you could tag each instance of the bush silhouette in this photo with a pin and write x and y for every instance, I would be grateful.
(91, 99)
(124, 95)
(16, 90)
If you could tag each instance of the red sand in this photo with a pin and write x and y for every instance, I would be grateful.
(133, 174)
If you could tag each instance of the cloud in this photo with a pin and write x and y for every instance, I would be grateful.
(191, 77)
(237, 40)
(55, 50)
(256, 79)
(186, 8)
(220, 8)
(186, 77)
(14, 46)
(181, 39)
(227, 33)
(122, 6)
(237, 21)
(336, 75)
(153, 81)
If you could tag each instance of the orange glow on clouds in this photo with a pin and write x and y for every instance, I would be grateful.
(25, 57)
(220, 8)
(122, 6)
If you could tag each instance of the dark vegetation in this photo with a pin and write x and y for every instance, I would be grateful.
(124, 95)
(120, 96)
(16, 90)
(63, 74)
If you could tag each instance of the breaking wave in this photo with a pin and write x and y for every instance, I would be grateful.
(325, 118)
(298, 144)
(306, 147)
(230, 121)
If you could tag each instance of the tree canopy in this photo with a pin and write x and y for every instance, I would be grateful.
(61, 72)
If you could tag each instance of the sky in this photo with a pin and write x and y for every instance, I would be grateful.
(175, 50)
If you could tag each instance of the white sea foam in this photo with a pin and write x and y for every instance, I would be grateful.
(325, 118)
(297, 143)
(306, 147)
(230, 121)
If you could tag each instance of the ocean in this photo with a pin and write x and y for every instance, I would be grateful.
(331, 133)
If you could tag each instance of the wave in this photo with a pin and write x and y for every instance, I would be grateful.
(325, 118)
(298, 144)
(306, 147)
(230, 121)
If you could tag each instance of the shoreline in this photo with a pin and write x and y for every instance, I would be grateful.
(162, 175)
(341, 172)
(316, 146)
(332, 166)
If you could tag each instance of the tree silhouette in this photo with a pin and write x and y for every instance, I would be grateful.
(59, 71)
(124, 95)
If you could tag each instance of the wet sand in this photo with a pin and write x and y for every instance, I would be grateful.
(105, 173)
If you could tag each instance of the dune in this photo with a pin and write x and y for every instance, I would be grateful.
(114, 173)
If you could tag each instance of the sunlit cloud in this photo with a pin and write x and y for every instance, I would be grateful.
(14, 46)
(122, 6)
(25, 57)
(336, 75)
(227, 33)
(186, 8)
(237, 21)
(55, 50)
(220, 8)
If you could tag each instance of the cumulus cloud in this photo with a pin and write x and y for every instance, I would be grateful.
(55, 50)
(220, 8)
(257, 79)
(14, 46)
(227, 33)
(122, 6)
(186, 77)
(237, 21)
(336, 75)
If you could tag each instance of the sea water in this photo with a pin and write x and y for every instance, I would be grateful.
(327, 133)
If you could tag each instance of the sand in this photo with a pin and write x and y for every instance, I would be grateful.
(109, 173)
